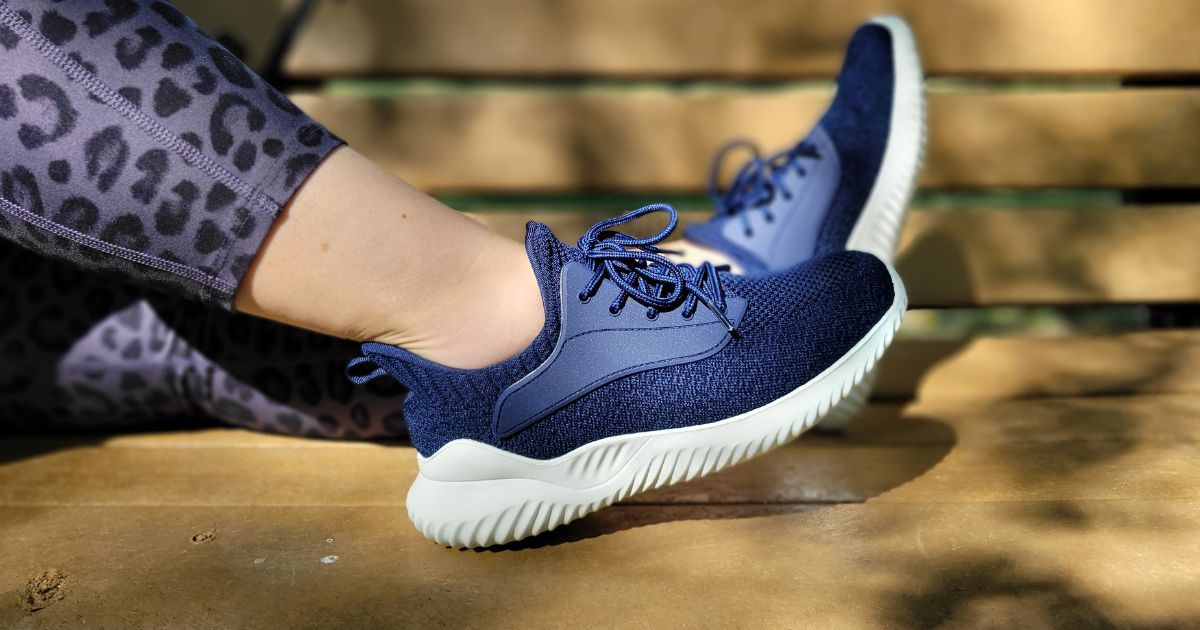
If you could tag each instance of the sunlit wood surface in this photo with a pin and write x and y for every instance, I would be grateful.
(1062, 511)
(512, 139)
(758, 38)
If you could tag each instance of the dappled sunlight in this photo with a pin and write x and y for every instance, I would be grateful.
(1087, 448)
(1049, 256)
(995, 368)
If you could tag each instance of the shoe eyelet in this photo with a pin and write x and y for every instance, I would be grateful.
(584, 298)
(689, 316)
(770, 218)
(651, 314)
(749, 233)
(614, 311)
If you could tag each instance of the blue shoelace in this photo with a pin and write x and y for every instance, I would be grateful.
(638, 267)
(758, 181)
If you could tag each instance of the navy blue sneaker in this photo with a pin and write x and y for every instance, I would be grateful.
(848, 183)
(647, 373)
(846, 186)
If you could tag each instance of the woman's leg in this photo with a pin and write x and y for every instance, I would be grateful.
(360, 254)
(131, 142)
(78, 350)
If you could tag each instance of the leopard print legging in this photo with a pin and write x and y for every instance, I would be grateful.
(80, 350)
(141, 166)
(132, 142)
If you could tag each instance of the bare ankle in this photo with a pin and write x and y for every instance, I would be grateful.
(361, 255)
(492, 313)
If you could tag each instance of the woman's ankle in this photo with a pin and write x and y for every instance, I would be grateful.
(490, 314)
(361, 255)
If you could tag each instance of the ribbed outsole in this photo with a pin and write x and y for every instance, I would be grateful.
(848, 409)
(479, 496)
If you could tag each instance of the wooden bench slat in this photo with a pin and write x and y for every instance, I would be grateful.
(1077, 512)
(1027, 564)
(1133, 254)
(755, 38)
(998, 368)
(508, 139)
(999, 256)
(929, 451)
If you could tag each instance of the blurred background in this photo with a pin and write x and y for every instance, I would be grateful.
(1063, 148)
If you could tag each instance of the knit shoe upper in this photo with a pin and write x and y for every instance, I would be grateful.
(633, 343)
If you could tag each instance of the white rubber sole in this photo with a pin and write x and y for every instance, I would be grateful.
(470, 494)
(845, 412)
(878, 228)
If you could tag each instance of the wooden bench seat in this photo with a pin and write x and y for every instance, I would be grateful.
(1020, 513)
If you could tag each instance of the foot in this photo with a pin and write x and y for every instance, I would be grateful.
(846, 186)
(647, 373)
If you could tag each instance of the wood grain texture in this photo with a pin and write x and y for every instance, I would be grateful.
(998, 256)
(514, 139)
(1022, 564)
(927, 451)
(753, 38)
(1075, 513)
(983, 369)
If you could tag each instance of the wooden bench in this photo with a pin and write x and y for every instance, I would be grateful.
(1026, 479)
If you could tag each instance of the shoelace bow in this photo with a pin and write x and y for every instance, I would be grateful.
(758, 181)
(638, 267)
